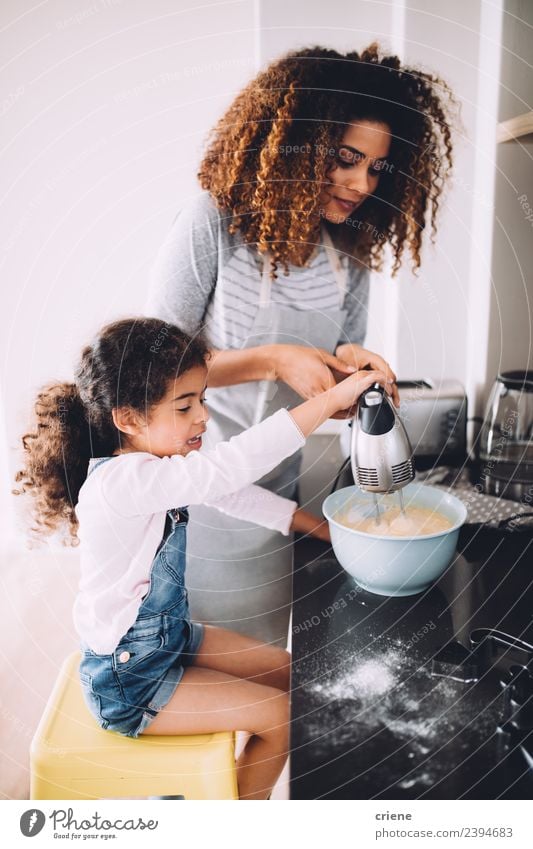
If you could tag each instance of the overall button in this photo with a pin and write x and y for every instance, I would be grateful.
(124, 656)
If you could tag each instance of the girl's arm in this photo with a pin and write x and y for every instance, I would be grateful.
(307, 523)
(141, 483)
(261, 507)
(311, 414)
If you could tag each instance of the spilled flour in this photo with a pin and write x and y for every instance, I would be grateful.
(389, 692)
(370, 678)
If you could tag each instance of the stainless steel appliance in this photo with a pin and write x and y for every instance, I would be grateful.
(434, 415)
(506, 438)
(381, 454)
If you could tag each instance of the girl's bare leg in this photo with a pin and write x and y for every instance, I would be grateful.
(247, 658)
(208, 700)
(244, 657)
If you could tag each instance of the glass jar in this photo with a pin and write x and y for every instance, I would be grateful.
(506, 438)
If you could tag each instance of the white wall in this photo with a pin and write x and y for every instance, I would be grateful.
(106, 106)
(511, 305)
(433, 319)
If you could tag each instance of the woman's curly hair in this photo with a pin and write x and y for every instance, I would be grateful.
(130, 364)
(303, 103)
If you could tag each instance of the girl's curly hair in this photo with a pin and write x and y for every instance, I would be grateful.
(130, 364)
(303, 103)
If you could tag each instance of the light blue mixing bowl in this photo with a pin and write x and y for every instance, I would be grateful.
(394, 566)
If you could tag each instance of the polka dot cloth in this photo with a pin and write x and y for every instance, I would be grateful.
(481, 509)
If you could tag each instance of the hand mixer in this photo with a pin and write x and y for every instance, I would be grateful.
(381, 454)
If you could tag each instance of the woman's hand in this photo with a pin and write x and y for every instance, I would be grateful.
(346, 393)
(309, 371)
(359, 357)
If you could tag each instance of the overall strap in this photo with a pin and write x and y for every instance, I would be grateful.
(99, 463)
(178, 515)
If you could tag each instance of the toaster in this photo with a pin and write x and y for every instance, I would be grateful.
(434, 414)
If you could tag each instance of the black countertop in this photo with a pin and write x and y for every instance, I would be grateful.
(369, 719)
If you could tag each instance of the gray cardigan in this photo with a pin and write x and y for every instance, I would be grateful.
(199, 257)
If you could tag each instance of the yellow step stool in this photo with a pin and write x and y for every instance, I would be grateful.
(71, 757)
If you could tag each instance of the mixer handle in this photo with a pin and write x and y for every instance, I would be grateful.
(374, 416)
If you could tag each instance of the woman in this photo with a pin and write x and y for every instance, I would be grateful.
(319, 163)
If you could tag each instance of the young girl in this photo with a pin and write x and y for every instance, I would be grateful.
(122, 445)
(323, 164)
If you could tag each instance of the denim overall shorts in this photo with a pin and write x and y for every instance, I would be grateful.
(125, 690)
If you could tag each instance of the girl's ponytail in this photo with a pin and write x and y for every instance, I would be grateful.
(57, 453)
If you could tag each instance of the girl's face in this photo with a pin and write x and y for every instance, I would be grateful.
(176, 423)
(359, 162)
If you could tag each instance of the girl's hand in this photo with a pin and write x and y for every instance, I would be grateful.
(347, 392)
(359, 357)
(307, 523)
(309, 371)
(312, 413)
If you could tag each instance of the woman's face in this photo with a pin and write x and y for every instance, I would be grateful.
(359, 163)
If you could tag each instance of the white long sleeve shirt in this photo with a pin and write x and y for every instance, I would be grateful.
(122, 509)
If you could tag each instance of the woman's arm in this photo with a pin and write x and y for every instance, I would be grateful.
(308, 371)
(185, 270)
(226, 368)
